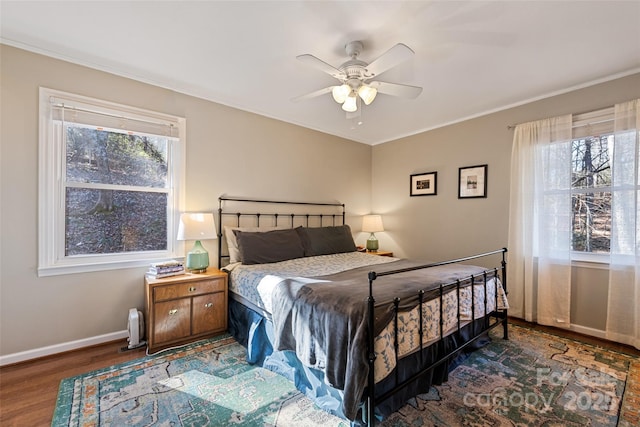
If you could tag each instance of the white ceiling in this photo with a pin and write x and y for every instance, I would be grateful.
(471, 57)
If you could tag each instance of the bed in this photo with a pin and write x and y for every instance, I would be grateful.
(359, 334)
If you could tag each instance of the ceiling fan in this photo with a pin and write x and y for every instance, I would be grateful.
(354, 75)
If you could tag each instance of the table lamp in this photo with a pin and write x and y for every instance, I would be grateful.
(197, 226)
(372, 224)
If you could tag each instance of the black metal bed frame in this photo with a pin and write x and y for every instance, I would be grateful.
(499, 315)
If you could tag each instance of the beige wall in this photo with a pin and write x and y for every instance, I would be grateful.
(443, 226)
(228, 152)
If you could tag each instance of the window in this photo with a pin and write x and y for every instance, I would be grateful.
(591, 193)
(110, 184)
(591, 190)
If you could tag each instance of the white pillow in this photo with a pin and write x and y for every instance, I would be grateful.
(232, 243)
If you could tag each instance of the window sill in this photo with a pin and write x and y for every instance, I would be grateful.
(588, 264)
(587, 260)
(58, 270)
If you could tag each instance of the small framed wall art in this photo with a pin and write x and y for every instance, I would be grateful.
(472, 182)
(424, 184)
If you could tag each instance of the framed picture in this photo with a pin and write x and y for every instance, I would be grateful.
(424, 184)
(472, 182)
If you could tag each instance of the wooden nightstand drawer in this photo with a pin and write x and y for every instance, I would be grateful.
(209, 313)
(172, 320)
(182, 290)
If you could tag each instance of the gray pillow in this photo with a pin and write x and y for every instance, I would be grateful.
(326, 240)
(270, 246)
(232, 244)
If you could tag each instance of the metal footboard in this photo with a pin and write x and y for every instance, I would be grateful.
(499, 316)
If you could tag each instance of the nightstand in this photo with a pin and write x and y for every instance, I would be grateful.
(381, 253)
(185, 308)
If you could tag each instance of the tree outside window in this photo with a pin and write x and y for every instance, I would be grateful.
(117, 212)
(591, 193)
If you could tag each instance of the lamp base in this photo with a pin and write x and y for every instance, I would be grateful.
(372, 243)
(197, 259)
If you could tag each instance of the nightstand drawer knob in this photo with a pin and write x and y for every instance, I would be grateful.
(173, 311)
(209, 305)
(192, 289)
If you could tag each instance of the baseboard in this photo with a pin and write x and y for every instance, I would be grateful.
(588, 331)
(584, 330)
(23, 356)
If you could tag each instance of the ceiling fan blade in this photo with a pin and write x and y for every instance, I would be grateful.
(321, 65)
(389, 59)
(313, 94)
(395, 89)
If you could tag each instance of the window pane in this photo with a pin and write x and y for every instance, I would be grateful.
(590, 162)
(591, 222)
(109, 222)
(104, 157)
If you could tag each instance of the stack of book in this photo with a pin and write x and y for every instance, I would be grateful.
(159, 270)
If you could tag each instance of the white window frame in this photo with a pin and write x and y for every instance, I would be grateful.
(51, 191)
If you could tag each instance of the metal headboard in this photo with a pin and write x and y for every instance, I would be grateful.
(278, 212)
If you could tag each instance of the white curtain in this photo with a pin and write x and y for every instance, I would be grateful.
(539, 273)
(623, 309)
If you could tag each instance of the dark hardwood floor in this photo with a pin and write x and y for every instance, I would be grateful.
(28, 390)
(621, 348)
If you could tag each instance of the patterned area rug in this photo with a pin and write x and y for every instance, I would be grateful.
(204, 384)
(534, 379)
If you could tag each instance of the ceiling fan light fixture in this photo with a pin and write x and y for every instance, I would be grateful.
(367, 93)
(351, 104)
(341, 93)
(352, 91)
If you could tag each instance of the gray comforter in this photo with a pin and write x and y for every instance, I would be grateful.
(324, 319)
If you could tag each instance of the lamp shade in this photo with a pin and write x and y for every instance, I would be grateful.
(351, 104)
(367, 93)
(340, 93)
(196, 226)
(372, 223)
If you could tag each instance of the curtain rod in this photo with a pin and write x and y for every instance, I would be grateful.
(595, 121)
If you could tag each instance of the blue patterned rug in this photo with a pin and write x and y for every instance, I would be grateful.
(207, 383)
(534, 379)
